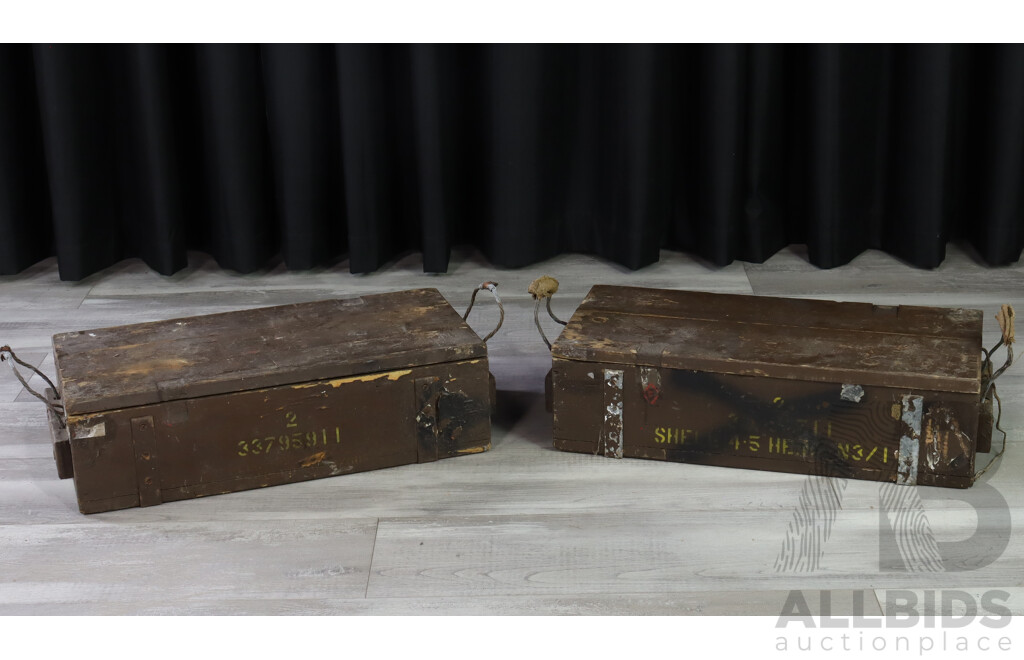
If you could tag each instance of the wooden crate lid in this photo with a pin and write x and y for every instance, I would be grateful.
(147, 363)
(907, 347)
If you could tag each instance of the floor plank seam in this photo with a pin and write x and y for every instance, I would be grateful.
(746, 276)
(878, 601)
(89, 293)
(373, 548)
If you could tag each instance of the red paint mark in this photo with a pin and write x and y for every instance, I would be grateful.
(651, 393)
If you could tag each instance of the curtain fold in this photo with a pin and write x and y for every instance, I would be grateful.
(844, 157)
(26, 234)
(315, 153)
(993, 171)
(77, 106)
(304, 138)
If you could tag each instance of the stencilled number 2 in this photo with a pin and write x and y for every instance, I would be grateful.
(292, 423)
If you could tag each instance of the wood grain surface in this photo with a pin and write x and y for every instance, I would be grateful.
(814, 340)
(145, 363)
(521, 529)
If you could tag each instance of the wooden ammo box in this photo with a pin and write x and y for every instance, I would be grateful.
(805, 386)
(169, 410)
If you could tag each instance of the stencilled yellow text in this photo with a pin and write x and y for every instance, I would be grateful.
(291, 440)
(776, 446)
(672, 436)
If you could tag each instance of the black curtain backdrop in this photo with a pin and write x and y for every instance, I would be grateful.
(317, 152)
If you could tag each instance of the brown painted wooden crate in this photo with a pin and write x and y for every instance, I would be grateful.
(791, 385)
(164, 411)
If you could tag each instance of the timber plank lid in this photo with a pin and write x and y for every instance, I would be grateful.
(170, 360)
(812, 340)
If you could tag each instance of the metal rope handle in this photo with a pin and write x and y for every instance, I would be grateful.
(999, 428)
(6, 353)
(493, 288)
(543, 288)
(1005, 318)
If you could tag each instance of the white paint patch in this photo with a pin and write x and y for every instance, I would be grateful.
(611, 433)
(910, 442)
(852, 393)
(94, 431)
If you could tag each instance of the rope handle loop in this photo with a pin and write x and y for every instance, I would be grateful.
(998, 454)
(543, 288)
(988, 373)
(1005, 318)
(8, 355)
(493, 288)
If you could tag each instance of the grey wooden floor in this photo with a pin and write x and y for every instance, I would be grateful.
(522, 529)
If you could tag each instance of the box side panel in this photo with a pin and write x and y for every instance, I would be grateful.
(103, 459)
(232, 442)
(577, 404)
(838, 429)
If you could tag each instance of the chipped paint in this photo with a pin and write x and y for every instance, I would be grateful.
(81, 431)
(944, 442)
(853, 393)
(335, 469)
(314, 460)
(910, 442)
(474, 450)
(650, 383)
(366, 378)
(338, 382)
(611, 432)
